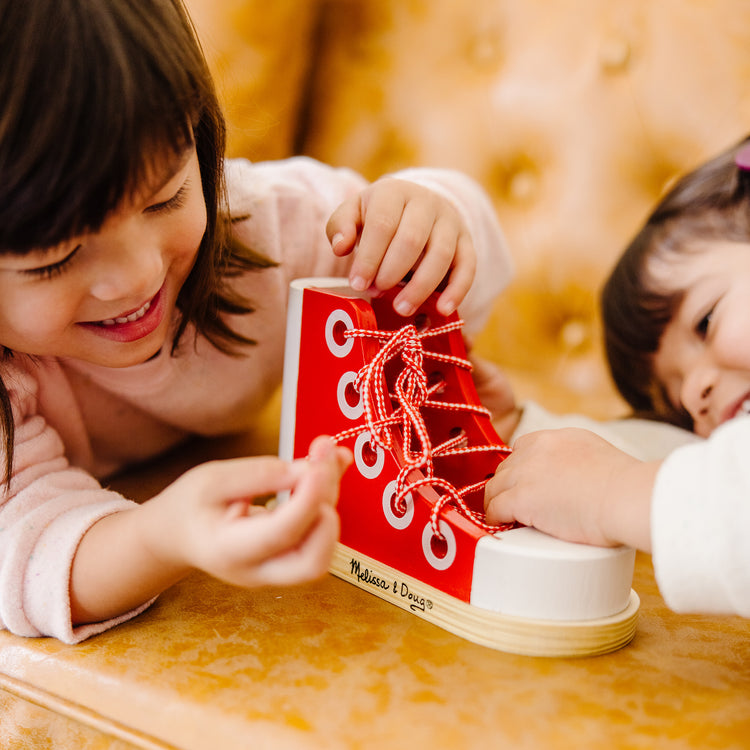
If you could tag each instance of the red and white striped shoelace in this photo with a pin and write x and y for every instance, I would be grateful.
(412, 393)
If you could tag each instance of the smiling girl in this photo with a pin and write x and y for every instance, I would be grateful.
(677, 329)
(143, 288)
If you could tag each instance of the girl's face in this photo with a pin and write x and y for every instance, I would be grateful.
(703, 358)
(108, 297)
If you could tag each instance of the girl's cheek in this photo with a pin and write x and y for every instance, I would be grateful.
(732, 343)
(188, 235)
(41, 314)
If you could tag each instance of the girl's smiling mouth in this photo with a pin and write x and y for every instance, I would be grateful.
(134, 325)
(739, 409)
(130, 318)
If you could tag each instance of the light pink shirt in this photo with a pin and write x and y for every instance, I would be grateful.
(75, 421)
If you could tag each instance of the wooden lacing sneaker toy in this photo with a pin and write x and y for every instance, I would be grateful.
(399, 392)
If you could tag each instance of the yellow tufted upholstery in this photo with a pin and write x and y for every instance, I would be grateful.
(574, 114)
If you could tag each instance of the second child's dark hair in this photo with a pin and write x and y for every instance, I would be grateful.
(94, 94)
(711, 203)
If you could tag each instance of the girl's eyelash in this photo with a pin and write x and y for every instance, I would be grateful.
(701, 327)
(53, 269)
(175, 202)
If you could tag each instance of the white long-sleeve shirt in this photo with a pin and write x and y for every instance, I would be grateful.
(700, 518)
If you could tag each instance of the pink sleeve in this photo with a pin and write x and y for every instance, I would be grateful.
(47, 509)
(286, 205)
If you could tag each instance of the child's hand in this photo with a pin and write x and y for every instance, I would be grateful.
(206, 520)
(573, 484)
(399, 226)
(496, 394)
(215, 527)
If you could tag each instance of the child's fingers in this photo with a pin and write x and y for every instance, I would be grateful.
(238, 478)
(461, 276)
(344, 225)
(318, 486)
(307, 560)
(499, 483)
(381, 220)
(344, 457)
(333, 461)
(285, 545)
(408, 248)
(262, 536)
(438, 257)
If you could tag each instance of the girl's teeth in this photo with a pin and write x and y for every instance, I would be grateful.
(128, 318)
(744, 407)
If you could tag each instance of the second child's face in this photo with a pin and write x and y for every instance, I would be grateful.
(108, 297)
(704, 354)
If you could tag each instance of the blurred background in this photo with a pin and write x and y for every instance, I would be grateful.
(574, 115)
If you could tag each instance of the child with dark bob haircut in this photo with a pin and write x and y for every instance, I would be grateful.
(143, 293)
(676, 311)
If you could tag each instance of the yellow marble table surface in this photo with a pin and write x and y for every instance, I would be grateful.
(327, 665)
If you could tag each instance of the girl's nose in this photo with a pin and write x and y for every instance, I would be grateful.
(128, 274)
(703, 404)
(697, 389)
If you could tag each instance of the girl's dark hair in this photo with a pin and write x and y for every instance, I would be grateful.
(710, 203)
(93, 94)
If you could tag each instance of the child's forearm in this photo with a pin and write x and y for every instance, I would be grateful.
(626, 514)
(116, 569)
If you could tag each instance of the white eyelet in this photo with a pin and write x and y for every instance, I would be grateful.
(338, 350)
(348, 410)
(365, 469)
(398, 522)
(439, 563)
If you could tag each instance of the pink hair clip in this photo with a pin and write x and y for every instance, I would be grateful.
(742, 158)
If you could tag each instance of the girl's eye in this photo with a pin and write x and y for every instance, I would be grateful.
(702, 326)
(175, 202)
(53, 269)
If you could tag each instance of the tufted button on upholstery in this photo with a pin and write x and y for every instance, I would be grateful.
(614, 55)
(485, 49)
(516, 181)
(523, 185)
(575, 333)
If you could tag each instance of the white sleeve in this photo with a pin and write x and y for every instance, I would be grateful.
(700, 517)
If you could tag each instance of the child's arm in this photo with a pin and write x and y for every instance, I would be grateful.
(205, 520)
(496, 394)
(72, 552)
(575, 485)
(690, 510)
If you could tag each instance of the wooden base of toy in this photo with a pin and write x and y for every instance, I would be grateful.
(507, 633)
